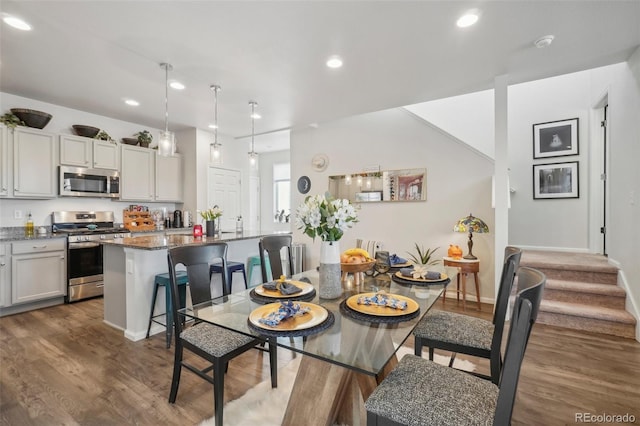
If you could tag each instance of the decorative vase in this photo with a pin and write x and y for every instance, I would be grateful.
(211, 228)
(330, 284)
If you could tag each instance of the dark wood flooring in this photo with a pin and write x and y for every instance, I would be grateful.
(63, 366)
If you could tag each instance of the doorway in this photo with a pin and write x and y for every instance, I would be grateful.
(224, 189)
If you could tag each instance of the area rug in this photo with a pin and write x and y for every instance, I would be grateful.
(265, 406)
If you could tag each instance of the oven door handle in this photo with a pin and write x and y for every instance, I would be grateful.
(73, 246)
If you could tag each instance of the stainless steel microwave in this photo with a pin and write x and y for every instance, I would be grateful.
(81, 182)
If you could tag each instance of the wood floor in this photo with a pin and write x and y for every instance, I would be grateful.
(62, 365)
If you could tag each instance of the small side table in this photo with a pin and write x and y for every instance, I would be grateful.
(467, 266)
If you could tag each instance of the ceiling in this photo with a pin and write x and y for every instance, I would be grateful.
(91, 55)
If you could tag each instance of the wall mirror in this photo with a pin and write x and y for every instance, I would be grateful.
(383, 185)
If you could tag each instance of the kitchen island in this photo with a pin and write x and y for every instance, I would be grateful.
(131, 264)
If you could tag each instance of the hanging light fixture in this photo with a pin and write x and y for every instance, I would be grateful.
(167, 142)
(216, 154)
(252, 154)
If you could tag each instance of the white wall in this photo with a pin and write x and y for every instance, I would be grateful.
(458, 182)
(267, 213)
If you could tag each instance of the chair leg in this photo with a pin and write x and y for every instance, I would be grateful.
(169, 315)
(417, 346)
(453, 358)
(153, 306)
(219, 368)
(273, 361)
(430, 354)
(177, 369)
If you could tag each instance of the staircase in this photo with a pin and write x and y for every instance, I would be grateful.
(581, 293)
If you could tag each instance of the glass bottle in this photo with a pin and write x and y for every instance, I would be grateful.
(29, 231)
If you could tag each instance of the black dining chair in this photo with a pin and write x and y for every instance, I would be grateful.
(468, 335)
(271, 246)
(215, 344)
(421, 392)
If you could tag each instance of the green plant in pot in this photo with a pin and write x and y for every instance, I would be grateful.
(11, 120)
(144, 138)
(104, 136)
(424, 256)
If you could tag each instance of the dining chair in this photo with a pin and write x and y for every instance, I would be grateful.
(421, 392)
(468, 335)
(271, 246)
(215, 344)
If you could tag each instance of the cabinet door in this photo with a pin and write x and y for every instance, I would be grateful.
(35, 162)
(37, 276)
(76, 150)
(4, 161)
(5, 275)
(169, 178)
(105, 155)
(137, 174)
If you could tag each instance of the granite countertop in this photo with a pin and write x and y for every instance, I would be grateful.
(163, 242)
(18, 233)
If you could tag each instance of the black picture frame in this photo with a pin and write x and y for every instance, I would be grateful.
(556, 181)
(556, 138)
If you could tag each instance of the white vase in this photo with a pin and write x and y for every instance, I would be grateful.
(330, 284)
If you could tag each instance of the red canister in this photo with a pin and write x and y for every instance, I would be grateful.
(197, 230)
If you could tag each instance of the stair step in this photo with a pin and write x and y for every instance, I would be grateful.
(587, 318)
(605, 295)
(579, 267)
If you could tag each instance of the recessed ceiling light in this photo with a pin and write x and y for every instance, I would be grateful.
(132, 102)
(176, 85)
(16, 23)
(467, 19)
(543, 41)
(213, 126)
(334, 62)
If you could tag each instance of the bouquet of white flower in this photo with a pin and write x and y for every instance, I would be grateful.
(325, 217)
(212, 213)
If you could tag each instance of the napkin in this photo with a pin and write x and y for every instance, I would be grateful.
(420, 272)
(381, 299)
(285, 311)
(394, 259)
(284, 287)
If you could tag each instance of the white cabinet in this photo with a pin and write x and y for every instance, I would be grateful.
(86, 152)
(5, 275)
(35, 162)
(137, 174)
(4, 161)
(169, 178)
(38, 270)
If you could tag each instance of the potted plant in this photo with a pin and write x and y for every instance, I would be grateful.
(144, 138)
(424, 257)
(210, 215)
(104, 136)
(11, 120)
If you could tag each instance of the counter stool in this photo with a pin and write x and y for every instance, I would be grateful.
(252, 262)
(162, 280)
(231, 267)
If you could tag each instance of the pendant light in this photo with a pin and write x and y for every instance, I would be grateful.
(252, 154)
(167, 142)
(215, 153)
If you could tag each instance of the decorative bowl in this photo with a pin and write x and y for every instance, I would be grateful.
(32, 118)
(86, 131)
(357, 267)
(130, 141)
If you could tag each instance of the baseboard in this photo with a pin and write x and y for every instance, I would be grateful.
(563, 249)
(630, 305)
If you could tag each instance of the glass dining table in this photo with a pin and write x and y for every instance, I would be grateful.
(346, 354)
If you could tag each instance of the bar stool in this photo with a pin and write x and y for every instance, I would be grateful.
(231, 267)
(252, 262)
(162, 280)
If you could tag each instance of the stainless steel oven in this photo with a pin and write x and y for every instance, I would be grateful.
(85, 230)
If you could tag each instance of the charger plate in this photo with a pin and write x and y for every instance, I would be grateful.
(384, 311)
(307, 297)
(275, 294)
(315, 316)
(346, 311)
(443, 277)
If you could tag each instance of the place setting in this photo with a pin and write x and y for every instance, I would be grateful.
(283, 289)
(380, 307)
(290, 318)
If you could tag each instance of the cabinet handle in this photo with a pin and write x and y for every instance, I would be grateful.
(2, 264)
(40, 247)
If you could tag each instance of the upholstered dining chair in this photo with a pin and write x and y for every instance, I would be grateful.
(215, 344)
(420, 392)
(460, 333)
(271, 246)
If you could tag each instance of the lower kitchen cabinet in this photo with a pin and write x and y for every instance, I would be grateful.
(5, 275)
(38, 270)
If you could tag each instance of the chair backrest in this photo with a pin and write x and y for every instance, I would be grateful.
(196, 259)
(509, 268)
(530, 284)
(271, 246)
(371, 246)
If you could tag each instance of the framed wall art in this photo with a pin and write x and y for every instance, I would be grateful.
(555, 138)
(552, 181)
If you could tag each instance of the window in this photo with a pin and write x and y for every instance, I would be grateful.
(282, 192)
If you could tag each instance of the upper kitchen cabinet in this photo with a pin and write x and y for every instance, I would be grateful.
(137, 174)
(4, 161)
(86, 152)
(35, 162)
(169, 178)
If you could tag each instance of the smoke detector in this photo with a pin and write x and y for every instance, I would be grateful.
(543, 41)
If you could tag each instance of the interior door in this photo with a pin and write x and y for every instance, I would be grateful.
(224, 189)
